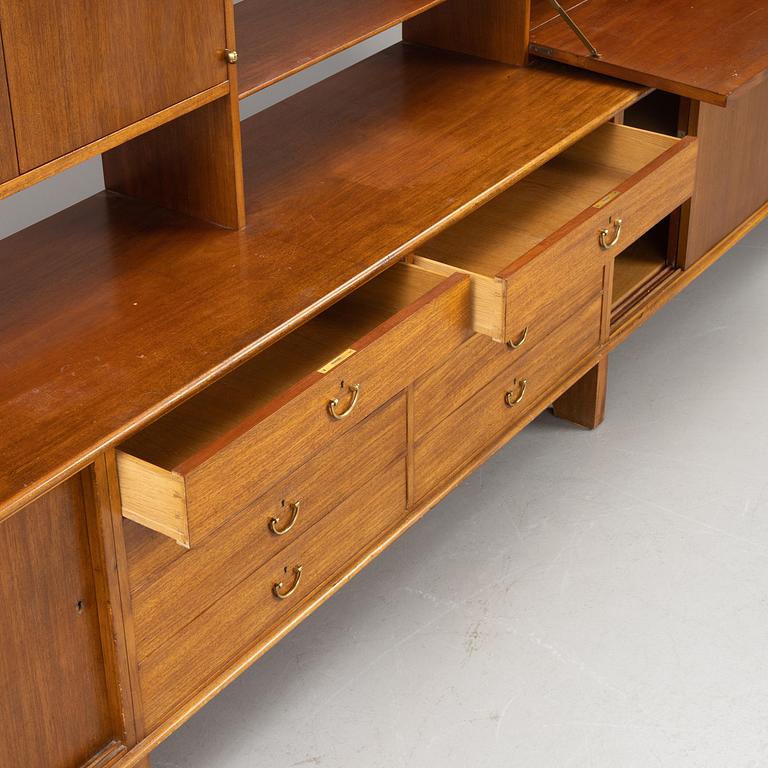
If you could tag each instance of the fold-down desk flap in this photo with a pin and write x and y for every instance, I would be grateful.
(702, 49)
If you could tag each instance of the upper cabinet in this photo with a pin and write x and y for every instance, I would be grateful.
(703, 49)
(8, 165)
(80, 71)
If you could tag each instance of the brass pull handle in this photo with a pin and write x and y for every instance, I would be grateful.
(511, 400)
(276, 588)
(295, 509)
(231, 57)
(604, 244)
(334, 404)
(522, 340)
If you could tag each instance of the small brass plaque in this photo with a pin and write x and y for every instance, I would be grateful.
(607, 199)
(338, 360)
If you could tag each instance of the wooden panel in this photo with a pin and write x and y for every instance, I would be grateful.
(195, 654)
(491, 29)
(584, 402)
(233, 440)
(156, 166)
(54, 706)
(175, 597)
(276, 40)
(106, 65)
(343, 179)
(732, 180)
(471, 428)
(703, 49)
(9, 166)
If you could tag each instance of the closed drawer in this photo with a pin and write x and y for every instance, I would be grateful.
(514, 395)
(251, 612)
(188, 472)
(538, 251)
(200, 576)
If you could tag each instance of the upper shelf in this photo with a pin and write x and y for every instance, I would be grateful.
(112, 312)
(275, 40)
(702, 49)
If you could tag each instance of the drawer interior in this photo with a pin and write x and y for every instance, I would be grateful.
(210, 415)
(504, 230)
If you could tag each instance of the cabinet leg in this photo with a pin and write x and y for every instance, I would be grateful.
(584, 402)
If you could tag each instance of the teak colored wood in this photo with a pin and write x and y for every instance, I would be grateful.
(534, 252)
(732, 181)
(166, 599)
(54, 702)
(276, 40)
(341, 181)
(703, 49)
(9, 165)
(106, 65)
(584, 402)
(195, 465)
(491, 29)
(281, 345)
(193, 655)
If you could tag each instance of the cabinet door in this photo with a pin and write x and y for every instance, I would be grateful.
(8, 165)
(54, 704)
(81, 69)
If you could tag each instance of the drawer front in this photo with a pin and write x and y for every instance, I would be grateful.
(251, 612)
(515, 395)
(566, 268)
(383, 366)
(172, 599)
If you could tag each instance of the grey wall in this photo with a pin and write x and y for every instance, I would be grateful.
(65, 189)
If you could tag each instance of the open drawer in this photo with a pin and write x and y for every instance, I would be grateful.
(186, 473)
(538, 252)
(705, 50)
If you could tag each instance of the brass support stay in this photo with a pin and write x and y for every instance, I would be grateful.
(576, 29)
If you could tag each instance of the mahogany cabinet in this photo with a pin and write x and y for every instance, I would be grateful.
(80, 71)
(206, 432)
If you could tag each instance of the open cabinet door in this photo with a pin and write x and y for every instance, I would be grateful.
(702, 49)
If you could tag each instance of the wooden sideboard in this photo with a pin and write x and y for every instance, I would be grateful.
(267, 349)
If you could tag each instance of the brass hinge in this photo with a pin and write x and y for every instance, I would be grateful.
(576, 29)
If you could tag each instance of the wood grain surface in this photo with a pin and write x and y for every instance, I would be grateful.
(112, 312)
(703, 49)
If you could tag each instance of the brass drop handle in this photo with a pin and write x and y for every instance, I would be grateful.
(521, 341)
(273, 523)
(511, 399)
(604, 244)
(334, 404)
(230, 56)
(277, 588)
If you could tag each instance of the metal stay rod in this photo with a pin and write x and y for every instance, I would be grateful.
(575, 27)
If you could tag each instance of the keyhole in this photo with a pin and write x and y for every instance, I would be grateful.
(80, 606)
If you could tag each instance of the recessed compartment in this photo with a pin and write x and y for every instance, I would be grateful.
(538, 252)
(186, 473)
(642, 267)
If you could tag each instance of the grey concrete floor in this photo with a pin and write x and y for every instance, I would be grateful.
(585, 599)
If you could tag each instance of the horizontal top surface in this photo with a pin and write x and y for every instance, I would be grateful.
(278, 39)
(112, 312)
(702, 49)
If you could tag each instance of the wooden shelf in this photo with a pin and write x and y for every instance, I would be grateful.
(112, 311)
(278, 39)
